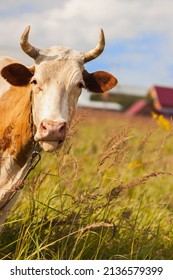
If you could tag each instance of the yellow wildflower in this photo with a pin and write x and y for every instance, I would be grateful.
(162, 122)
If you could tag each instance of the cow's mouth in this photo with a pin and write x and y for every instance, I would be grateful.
(51, 146)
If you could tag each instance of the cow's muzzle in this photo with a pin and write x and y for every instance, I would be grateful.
(51, 132)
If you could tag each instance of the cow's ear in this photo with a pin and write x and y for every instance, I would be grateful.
(99, 81)
(17, 74)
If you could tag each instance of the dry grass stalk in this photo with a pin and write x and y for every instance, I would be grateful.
(144, 179)
(115, 192)
(145, 138)
(37, 181)
(114, 145)
(73, 128)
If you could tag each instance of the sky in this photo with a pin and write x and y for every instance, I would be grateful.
(139, 34)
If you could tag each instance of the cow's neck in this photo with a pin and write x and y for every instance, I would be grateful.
(15, 136)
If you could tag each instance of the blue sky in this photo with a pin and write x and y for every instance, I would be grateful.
(139, 34)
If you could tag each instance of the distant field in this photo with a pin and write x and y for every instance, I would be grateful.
(123, 99)
(108, 194)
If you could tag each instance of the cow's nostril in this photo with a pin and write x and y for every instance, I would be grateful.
(60, 142)
(62, 128)
(43, 127)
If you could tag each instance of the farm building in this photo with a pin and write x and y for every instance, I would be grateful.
(119, 98)
(161, 100)
(131, 100)
(139, 107)
(86, 102)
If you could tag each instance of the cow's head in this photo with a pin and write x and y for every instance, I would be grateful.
(56, 80)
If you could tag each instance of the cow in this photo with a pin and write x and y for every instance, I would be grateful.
(37, 104)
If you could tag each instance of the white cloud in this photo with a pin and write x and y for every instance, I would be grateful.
(76, 23)
(79, 20)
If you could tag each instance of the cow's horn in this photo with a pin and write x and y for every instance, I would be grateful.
(92, 54)
(26, 46)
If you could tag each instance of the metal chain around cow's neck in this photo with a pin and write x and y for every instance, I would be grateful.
(34, 160)
(35, 156)
(30, 117)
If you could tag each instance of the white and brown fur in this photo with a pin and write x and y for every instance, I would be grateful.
(56, 80)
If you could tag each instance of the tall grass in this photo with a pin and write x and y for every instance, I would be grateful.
(108, 194)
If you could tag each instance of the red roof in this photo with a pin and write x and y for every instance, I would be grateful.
(165, 96)
(137, 107)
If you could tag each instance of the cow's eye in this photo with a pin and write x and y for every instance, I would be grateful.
(81, 85)
(34, 82)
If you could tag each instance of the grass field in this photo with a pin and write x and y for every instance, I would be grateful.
(108, 194)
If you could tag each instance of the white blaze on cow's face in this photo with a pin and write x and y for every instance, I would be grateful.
(56, 87)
